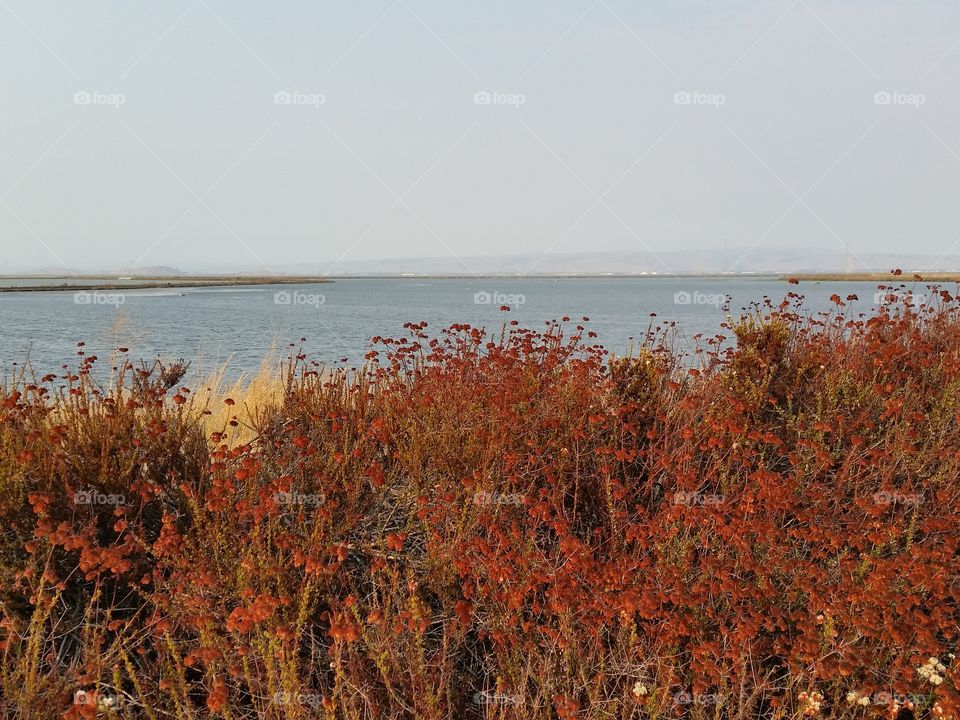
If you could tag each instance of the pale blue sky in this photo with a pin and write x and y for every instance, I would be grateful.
(199, 167)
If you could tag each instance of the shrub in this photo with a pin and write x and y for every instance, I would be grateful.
(507, 526)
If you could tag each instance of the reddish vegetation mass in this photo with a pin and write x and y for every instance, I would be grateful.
(506, 525)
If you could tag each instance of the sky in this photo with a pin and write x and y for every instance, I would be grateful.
(215, 134)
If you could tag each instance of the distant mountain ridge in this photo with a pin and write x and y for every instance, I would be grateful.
(707, 262)
(703, 262)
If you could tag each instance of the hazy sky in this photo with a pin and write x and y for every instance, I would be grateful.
(216, 133)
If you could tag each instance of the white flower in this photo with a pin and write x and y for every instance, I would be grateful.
(640, 689)
(855, 698)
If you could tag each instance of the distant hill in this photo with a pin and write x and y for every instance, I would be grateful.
(704, 261)
(759, 261)
(59, 271)
(157, 270)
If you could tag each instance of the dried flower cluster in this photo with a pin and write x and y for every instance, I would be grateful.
(932, 671)
(810, 703)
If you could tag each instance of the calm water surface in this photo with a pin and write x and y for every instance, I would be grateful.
(210, 326)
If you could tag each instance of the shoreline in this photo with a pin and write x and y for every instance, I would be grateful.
(907, 276)
(150, 283)
(159, 282)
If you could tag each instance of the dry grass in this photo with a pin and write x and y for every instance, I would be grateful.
(252, 398)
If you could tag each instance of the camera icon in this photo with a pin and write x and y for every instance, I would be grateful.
(682, 98)
(682, 698)
(281, 498)
(882, 498)
(882, 98)
(282, 98)
(282, 298)
(682, 298)
(482, 298)
(483, 498)
(485, 697)
(883, 698)
(82, 297)
(281, 698)
(482, 98)
(83, 497)
(83, 697)
(82, 98)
